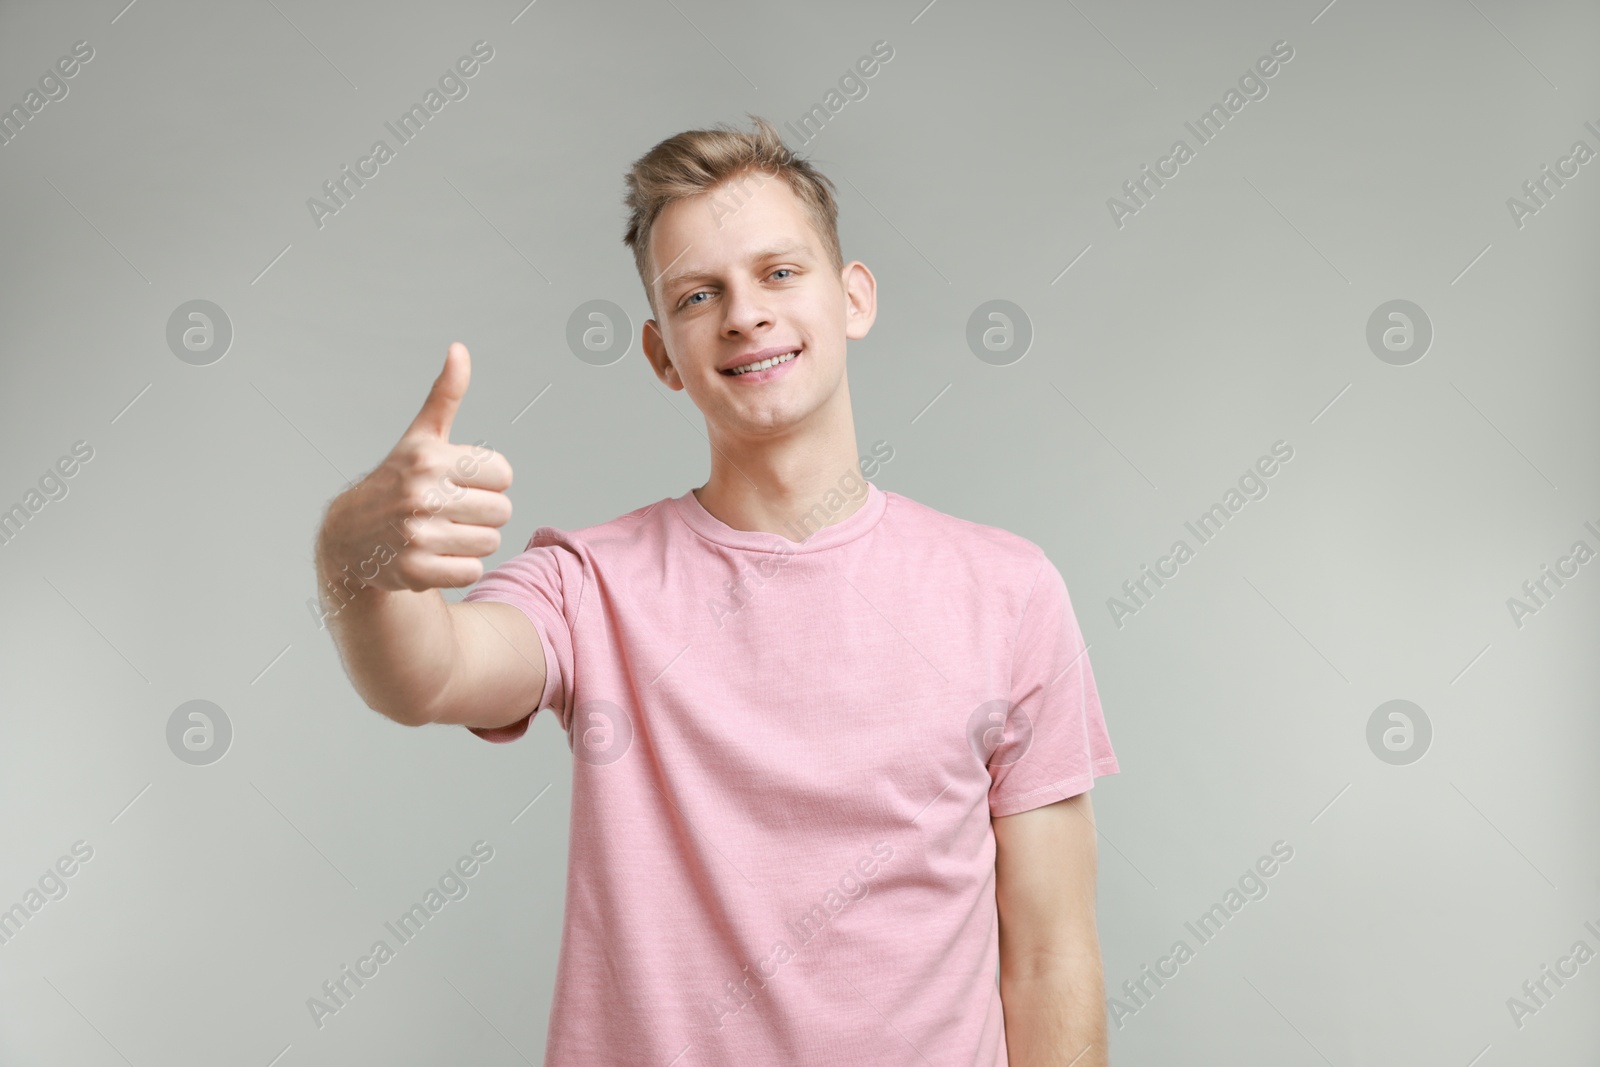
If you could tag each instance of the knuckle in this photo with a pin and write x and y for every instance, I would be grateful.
(424, 539)
(407, 572)
(423, 460)
(458, 573)
(412, 499)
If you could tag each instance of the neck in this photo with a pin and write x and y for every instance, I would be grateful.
(788, 485)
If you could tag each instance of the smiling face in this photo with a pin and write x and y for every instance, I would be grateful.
(742, 273)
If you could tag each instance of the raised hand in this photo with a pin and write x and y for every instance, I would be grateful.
(426, 515)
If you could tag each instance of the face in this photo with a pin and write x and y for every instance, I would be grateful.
(740, 269)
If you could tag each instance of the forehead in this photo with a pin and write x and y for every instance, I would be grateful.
(745, 219)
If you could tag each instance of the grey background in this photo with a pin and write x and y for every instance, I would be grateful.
(1228, 314)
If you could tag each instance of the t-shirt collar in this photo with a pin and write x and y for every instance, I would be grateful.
(864, 518)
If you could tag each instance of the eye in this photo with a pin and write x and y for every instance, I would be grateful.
(690, 301)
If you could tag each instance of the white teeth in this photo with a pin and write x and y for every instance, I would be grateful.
(764, 364)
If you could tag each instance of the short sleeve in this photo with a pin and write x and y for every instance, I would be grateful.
(545, 581)
(1055, 741)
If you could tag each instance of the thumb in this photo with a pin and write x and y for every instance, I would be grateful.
(439, 410)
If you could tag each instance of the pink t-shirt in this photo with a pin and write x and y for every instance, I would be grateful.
(787, 757)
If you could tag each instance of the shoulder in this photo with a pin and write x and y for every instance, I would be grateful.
(636, 528)
(1004, 553)
(991, 572)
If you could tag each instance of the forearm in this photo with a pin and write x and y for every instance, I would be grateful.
(1055, 1016)
(396, 646)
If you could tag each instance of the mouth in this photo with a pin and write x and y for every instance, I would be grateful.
(764, 370)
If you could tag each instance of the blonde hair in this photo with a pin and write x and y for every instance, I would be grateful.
(696, 161)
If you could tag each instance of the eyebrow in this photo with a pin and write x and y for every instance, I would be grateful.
(786, 249)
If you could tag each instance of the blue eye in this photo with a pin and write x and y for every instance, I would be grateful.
(690, 301)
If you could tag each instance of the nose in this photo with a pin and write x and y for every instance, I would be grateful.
(745, 310)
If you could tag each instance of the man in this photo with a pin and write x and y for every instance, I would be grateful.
(833, 747)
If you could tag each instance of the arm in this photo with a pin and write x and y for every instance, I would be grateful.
(386, 547)
(418, 659)
(1051, 985)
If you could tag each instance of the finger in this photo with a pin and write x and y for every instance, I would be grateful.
(439, 410)
(443, 572)
(477, 507)
(480, 467)
(441, 537)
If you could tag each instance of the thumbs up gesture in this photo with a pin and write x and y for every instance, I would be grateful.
(426, 515)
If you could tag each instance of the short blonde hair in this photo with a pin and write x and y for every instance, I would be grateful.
(696, 161)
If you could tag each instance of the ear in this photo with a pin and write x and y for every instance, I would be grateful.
(860, 299)
(655, 350)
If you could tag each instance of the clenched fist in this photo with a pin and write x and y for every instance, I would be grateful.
(428, 513)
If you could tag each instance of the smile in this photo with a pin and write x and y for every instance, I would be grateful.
(761, 367)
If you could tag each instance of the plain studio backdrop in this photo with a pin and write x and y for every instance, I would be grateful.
(1364, 261)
